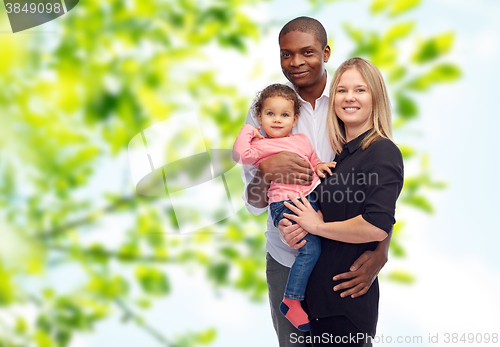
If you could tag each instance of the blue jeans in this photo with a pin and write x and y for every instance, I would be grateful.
(308, 254)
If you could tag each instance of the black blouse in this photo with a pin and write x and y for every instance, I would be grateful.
(364, 182)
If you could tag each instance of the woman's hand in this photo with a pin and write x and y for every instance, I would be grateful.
(291, 234)
(306, 216)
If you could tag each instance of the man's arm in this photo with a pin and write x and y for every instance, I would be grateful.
(284, 167)
(364, 270)
(257, 190)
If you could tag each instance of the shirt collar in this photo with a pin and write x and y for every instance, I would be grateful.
(354, 144)
(326, 90)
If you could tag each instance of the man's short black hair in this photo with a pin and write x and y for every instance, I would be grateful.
(306, 25)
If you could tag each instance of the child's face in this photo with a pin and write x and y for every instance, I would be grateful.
(277, 117)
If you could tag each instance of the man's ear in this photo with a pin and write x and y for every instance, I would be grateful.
(326, 54)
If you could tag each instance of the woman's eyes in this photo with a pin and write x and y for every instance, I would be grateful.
(359, 90)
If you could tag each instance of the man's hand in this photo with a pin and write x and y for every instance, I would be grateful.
(363, 272)
(286, 167)
(292, 233)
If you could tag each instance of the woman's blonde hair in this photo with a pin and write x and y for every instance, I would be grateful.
(381, 108)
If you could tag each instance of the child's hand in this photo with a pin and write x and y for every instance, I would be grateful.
(322, 167)
(257, 134)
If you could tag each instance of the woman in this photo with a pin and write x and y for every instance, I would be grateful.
(357, 202)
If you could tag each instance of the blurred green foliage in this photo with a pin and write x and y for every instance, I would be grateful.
(68, 109)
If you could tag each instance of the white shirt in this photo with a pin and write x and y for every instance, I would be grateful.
(312, 123)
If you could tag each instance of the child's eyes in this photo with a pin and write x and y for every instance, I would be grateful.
(285, 115)
(270, 114)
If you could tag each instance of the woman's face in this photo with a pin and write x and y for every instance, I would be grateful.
(353, 101)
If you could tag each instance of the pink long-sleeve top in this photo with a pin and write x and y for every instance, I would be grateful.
(252, 151)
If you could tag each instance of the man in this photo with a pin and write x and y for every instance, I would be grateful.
(304, 52)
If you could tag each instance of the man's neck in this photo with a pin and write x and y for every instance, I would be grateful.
(312, 93)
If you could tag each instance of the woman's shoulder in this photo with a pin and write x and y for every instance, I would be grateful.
(384, 149)
(384, 144)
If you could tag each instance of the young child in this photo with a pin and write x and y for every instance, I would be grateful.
(277, 108)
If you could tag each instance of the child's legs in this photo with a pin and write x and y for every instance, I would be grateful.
(308, 254)
(302, 268)
(277, 209)
(313, 200)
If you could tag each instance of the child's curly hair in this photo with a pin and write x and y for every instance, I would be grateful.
(273, 90)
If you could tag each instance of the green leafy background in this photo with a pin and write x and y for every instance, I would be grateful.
(86, 261)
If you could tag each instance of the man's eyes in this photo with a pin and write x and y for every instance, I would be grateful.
(287, 55)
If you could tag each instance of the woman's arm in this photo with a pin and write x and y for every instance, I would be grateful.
(363, 271)
(354, 230)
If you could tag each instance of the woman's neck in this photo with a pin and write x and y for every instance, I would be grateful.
(353, 132)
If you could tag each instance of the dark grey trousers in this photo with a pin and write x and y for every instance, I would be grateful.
(288, 335)
(277, 276)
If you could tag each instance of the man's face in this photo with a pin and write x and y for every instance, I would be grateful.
(302, 58)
